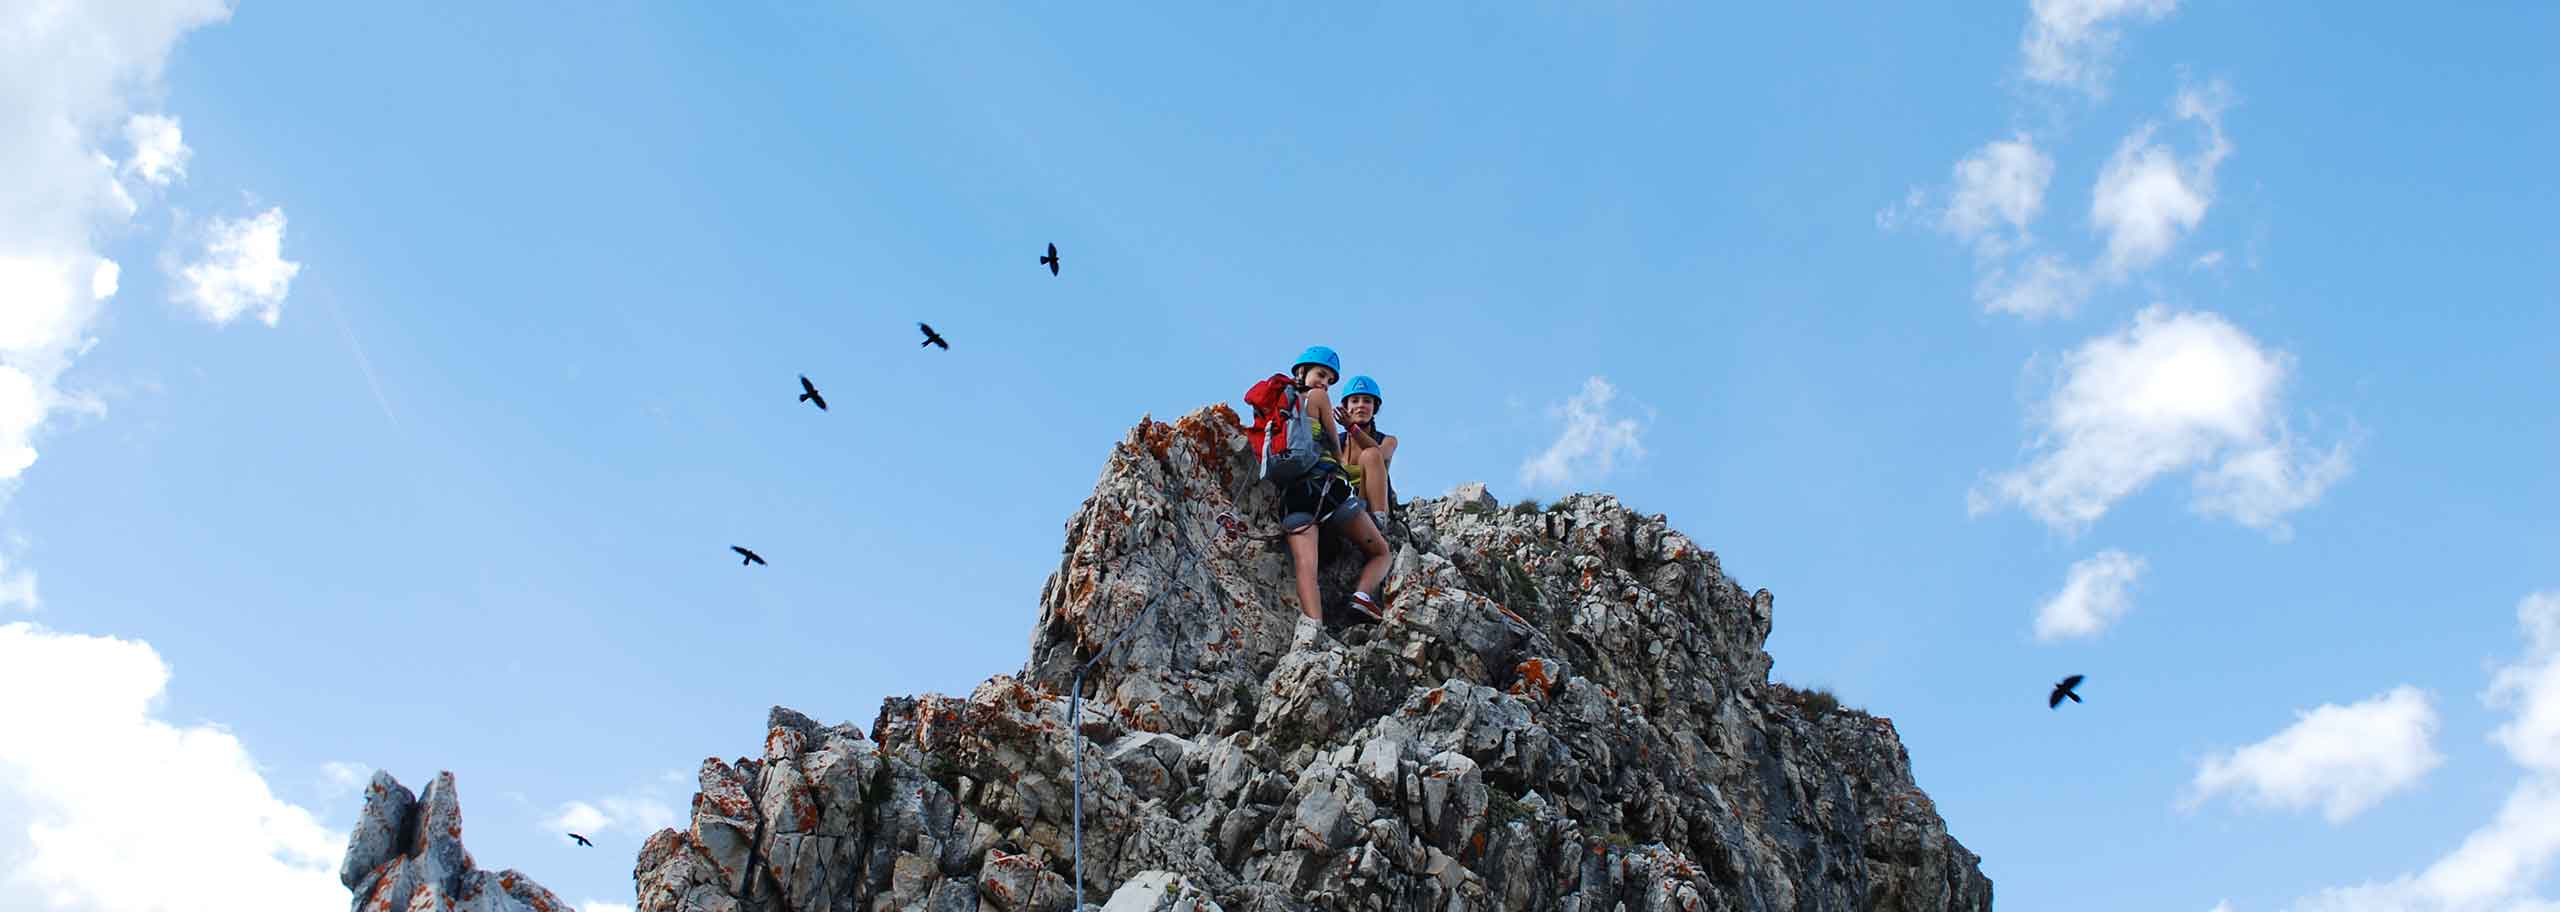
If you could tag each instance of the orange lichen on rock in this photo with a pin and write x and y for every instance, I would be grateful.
(1156, 437)
(1209, 440)
(1534, 679)
(1079, 589)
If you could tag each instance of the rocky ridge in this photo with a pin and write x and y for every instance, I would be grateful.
(1567, 707)
(406, 855)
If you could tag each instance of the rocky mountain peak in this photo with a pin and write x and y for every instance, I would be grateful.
(1566, 707)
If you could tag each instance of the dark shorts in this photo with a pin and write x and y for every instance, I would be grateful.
(1323, 496)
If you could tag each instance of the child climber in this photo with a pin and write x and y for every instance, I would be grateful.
(1326, 498)
(1365, 451)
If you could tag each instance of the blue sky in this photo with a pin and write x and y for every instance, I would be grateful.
(446, 354)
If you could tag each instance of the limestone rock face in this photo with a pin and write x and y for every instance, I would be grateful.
(1566, 708)
(406, 855)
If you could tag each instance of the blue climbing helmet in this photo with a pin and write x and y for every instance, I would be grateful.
(1362, 386)
(1317, 354)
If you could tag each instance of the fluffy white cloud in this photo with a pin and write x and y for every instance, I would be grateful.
(578, 817)
(638, 813)
(2340, 759)
(2069, 42)
(2094, 594)
(68, 72)
(50, 301)
(2532, 687)
(1590, 443)
(2172, 392)
(2257, 486)
(159, 150)
(1999, 189)
(104, 280)
(243, 269)
(113, 810)
(2147, 198)
(2496, 867)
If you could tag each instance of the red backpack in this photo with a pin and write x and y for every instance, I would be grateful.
(1282, 436)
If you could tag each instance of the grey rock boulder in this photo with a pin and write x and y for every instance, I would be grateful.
(406, 855)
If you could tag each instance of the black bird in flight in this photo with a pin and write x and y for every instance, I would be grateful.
(1051, 260)
(751, 557)
(581, 840)
(931, 337)
(2062, 690)
(809, 393)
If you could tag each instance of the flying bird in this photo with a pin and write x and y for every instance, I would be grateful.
(1051, 260)
(809, 393)
(581, 840)
(751, 557)
(2064, 689)
(931, 337)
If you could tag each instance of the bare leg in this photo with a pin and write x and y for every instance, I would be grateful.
(1373, 478)
(1302, 552)
(1365, 534)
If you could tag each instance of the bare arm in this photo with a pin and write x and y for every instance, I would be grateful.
(1318, 401)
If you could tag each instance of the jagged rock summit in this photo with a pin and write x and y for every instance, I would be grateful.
(406, 855)
(1566, 708)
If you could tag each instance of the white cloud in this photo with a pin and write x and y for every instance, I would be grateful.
(2042, 286)
(2207, 261)
(2147, 198)
(639, 813)
(2259, 485)
(594, 906)
(104, 279)
(50, 303)
(1590, 443)
(2172, 392)
(159, 151)
(243, 269)
(2532, 687)
(2069, 42)
(68, 73)
(2093, 596)
(2497, 866)
(2223, 906)
(2340, 759)
(579, 817)
(1999, 189)
(113, 810)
